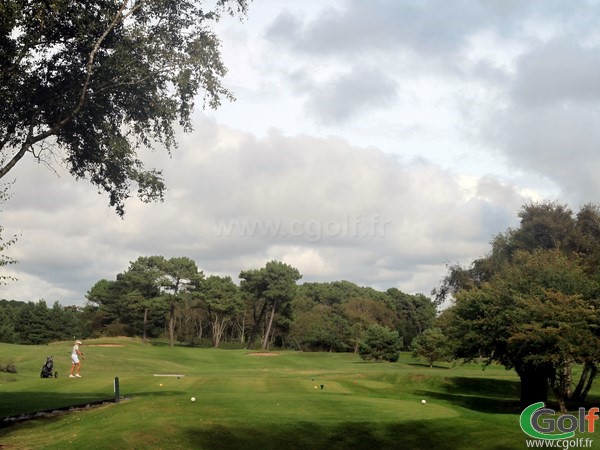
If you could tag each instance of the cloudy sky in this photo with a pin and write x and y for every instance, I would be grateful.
(372, 141)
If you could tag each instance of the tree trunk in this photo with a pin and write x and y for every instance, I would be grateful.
(534, 385)
(560, 398)
(567, 376)
(172, 325)
(218, 328)
(585, 381)
(265, 343)
(145, 324)
(561, 384)
(256, 325)
(242, 327)
(199, 329)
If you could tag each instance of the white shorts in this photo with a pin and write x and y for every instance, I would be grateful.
(75, 359)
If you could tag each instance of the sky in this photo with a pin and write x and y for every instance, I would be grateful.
(370, 141)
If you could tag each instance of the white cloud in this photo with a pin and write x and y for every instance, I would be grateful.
(371, 141)
(334, 210)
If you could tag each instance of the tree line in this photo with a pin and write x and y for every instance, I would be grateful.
(159, 297)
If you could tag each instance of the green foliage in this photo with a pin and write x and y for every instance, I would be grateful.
(138, 300)
(35, 323)
(542, 290)
(5, 260)
(272, 288)
(532, 302)
(268, 305)
(94, 85)
(544, 226)
(223, 302)
(380, 344)
(415, 313)
(7, 322)
(432, 345)
(337, 292)
(359, 306)
(317, 327)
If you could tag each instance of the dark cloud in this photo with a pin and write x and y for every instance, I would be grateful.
(377, 25)
(557, 73)
(550, 121)
(435, 27)
(560, 142)
(346, 95)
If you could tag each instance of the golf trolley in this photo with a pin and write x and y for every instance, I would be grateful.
(47, 369)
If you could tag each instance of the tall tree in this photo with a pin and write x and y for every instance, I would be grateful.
(224, 303)
(7, 323)
(32, 323)
(141, 289)
(190, 317)
(178, 275)
(106, 295)
(92, 83)
(571, 241)
(272, 287)
(535, 316)
(149, 282)
(545, 225)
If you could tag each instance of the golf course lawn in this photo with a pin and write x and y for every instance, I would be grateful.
(251, 400)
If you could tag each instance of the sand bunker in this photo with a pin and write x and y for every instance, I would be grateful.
(263, 354)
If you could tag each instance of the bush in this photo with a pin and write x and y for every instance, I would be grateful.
(115, 329)
(380, 344)
(8, 368)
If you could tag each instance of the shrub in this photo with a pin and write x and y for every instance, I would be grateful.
(380, 344)
(431, 345)
(8, 368)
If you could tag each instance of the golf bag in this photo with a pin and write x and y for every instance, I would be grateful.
(47, 369)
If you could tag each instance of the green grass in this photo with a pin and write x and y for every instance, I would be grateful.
(256, 402)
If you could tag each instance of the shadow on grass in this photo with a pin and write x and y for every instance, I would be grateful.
(480, 394)
(417, 364)
(14, 404)
(490, 387)
(412, 435)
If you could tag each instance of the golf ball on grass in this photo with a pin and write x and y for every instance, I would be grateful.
(423, 402)
(193, 399)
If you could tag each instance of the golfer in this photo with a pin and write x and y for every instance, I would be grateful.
(75, 354)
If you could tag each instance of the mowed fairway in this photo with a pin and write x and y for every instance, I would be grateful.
(253, 401)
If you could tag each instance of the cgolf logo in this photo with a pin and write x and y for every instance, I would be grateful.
(535, 422)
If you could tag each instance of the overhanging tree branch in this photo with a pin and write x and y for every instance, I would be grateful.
(106, 81)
